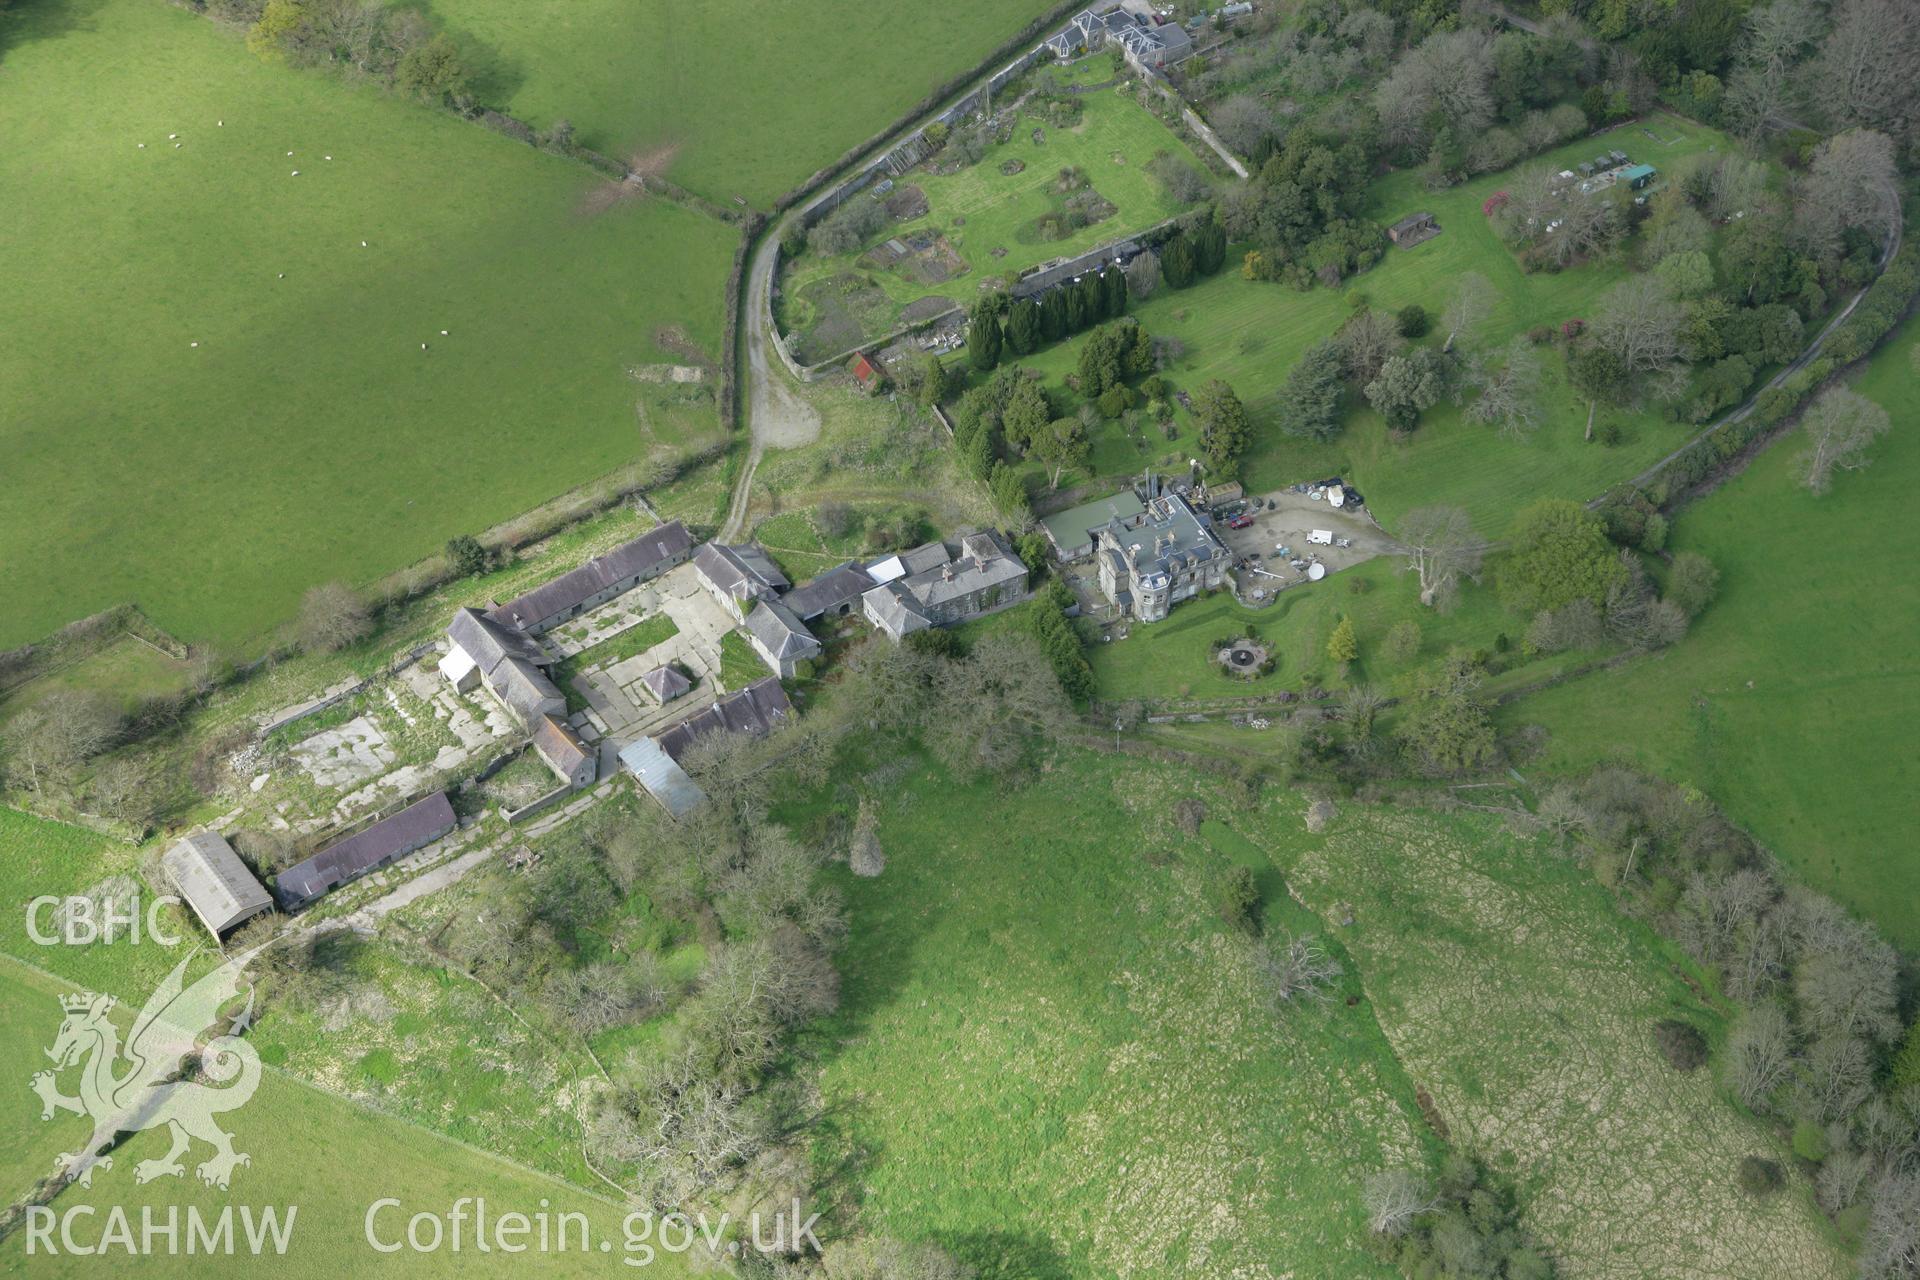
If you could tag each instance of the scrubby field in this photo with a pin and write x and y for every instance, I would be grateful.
(728, 97)
(1792, 702)
(308, 436)
(1053, 1057)
(323, 1158)
(1250, 334)
(982, 221)
(1520, 999)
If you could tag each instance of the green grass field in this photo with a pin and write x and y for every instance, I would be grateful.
(324, 1158)
(988, 217)
(1053, 1057)
(126, 670)
(308, 436)
(1515, 992)
(733, 97)
(1174, 658)
(1251, 334)
(1793, 700)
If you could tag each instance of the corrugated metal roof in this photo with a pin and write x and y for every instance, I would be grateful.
(664, 779)
(215, 883)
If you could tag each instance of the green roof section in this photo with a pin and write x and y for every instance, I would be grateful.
(1637, 172)
(1069, 529)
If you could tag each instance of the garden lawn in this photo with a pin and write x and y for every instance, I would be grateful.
(1792, 702)
(1174, 658)
(308, 436)
(730, 97)
(1054, 1058)
(1251, 334)
(989, 218)
(1524, 1002)
(319, 1157)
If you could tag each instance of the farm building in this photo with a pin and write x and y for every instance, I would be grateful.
(1639, 176)
(562, 751)
(214, 882)
(1151, 562)
(831, 595)
(982, 576)
(738, 576)
(1072, 532)
(781, 639)
(864, 371)
(661, 777)
(664, 684)
(1413, 229)
(507, 661)
(382, 844)
(597, 581)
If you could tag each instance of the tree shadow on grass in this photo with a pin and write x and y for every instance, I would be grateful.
(1009, 1255)
(36, 20)
(492, 76)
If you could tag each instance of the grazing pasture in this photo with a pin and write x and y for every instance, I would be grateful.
(1250, 334)
(1519, 997)
(1792, 702)
(1054, 1058)
(225, 383)
(727, 97)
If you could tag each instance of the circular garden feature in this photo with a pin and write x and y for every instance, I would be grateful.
(1246, 658)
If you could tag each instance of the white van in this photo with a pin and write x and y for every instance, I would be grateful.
(1320, 538)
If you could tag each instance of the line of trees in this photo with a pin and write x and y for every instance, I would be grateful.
(395, 47)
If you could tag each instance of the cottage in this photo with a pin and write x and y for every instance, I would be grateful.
(214, 882)
(831, 595)
(597, 581)
(1072, 532)
(561, 749)
(1413, 229)
(1153, 561)
(782, 640)
(738, 576)
(380, 845)
(664, 684)
(983, 575)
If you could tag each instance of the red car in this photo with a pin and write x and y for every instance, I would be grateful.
(1240, 521)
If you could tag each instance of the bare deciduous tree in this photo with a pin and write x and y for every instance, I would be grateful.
(1759, 1055)
(1394, 1199)
(1472, 302)
(1841, 425)
(1294, 968)
(1509, 390)
(1441, 548)
(1639, 322)
(332, 616)
(1864, 73)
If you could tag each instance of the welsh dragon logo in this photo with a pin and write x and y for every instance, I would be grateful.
(163, 1075)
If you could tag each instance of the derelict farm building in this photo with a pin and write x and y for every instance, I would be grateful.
(597, 581)
(380, 845)
(214, 882)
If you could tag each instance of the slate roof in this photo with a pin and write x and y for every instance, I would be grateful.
(525, 689)
(894, 611)
(756, 709)
(559, 745)
(983, 565)
(1167, 538)
(740, 572)
(666, 684)
(215, 883)
(489, 644)
(780, 633)
(418, 824)
(639, 558)
(830, 590)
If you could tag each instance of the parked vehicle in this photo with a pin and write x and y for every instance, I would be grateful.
(1241, 521)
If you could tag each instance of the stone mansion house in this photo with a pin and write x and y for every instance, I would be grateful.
(1151, 561)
